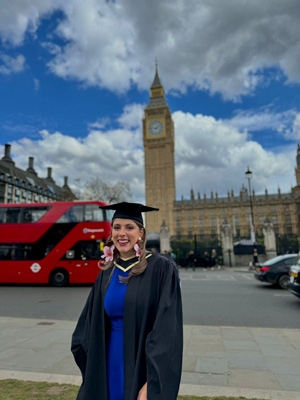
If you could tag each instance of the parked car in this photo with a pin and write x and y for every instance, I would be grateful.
(294, 283)
(276, 271)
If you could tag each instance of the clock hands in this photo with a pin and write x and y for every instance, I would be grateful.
(155, 128)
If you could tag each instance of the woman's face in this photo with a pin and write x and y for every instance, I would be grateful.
(125, 233)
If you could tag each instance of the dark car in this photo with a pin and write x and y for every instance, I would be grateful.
(294, 283)
(276, 271)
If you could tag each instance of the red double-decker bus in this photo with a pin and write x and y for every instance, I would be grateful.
(56, 243)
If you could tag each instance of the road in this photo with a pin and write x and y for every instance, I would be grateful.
(225, 298)
(211, 298)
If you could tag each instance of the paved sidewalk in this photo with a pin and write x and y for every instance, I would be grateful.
(249, 362)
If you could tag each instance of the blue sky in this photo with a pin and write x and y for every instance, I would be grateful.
(75, 78)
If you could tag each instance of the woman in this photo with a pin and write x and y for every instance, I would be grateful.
(128, 340)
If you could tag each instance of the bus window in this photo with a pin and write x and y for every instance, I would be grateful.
(33, 214)
(85, 250)
(2, 215)
(13, 215)
(92, 212)
(26, 252)
(74, 214)
(8, 252)
(23, 251)
(109, 215)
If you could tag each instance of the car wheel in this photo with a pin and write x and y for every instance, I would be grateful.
(59, 277)
(283, 281)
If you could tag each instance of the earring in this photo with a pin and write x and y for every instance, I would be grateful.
(138, 251)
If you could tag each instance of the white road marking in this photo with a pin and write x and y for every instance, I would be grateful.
(282, 295)
(227, 278)
(247, 277)
(213, 277)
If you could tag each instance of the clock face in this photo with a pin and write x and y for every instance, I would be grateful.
(156, 128)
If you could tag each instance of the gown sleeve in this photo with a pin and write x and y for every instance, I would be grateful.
(164, 343)
(80, 337)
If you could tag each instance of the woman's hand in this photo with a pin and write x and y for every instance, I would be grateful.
(143, 393)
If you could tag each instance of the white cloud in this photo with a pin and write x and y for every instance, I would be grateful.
(111, 155)
(20, 16)
(132, 116)
(10, 64)
(220, 46)
(294, 132)
(100, 49)
(101, 123)
(264, 119)
(210, 155)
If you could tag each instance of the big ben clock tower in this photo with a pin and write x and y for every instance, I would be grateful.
(158, 135)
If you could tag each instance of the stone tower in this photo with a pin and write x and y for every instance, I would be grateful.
(158, 137)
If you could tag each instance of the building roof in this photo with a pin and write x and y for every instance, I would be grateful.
(156, 102)
(233, 199)
(29, 179)
(156, 83)
(159, 101)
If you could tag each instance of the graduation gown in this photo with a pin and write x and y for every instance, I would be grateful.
(153, 335)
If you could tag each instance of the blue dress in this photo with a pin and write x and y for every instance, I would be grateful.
(114, 307)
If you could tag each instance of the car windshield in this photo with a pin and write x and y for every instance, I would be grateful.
(273, 261)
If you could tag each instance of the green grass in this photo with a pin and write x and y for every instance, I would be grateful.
(12, 389)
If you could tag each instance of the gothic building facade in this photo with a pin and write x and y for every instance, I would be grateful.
(204, 215)
(25, 186)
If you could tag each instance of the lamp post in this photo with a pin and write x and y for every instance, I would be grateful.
(248, 175)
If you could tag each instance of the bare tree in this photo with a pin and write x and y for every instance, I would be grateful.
(97, 189)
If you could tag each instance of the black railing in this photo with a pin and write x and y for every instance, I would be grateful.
(200, 244)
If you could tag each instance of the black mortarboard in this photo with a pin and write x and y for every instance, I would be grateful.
(126, 210)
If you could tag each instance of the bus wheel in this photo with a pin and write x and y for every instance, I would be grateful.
(59, 277)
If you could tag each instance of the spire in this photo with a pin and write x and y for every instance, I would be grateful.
(156, 83)
(157, 94)
(192, 195)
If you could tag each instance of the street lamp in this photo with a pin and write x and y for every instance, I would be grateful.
(248, 175)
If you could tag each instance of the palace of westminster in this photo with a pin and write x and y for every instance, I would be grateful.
(200, 215)
(204, 215)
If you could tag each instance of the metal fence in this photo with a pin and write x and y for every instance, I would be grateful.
(200, 244)
(287, 244)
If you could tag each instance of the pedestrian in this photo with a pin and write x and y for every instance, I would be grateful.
(207, 261)
(172, 254)
(255, 255)
(191, 260)
(129, 338)
(214, 260)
